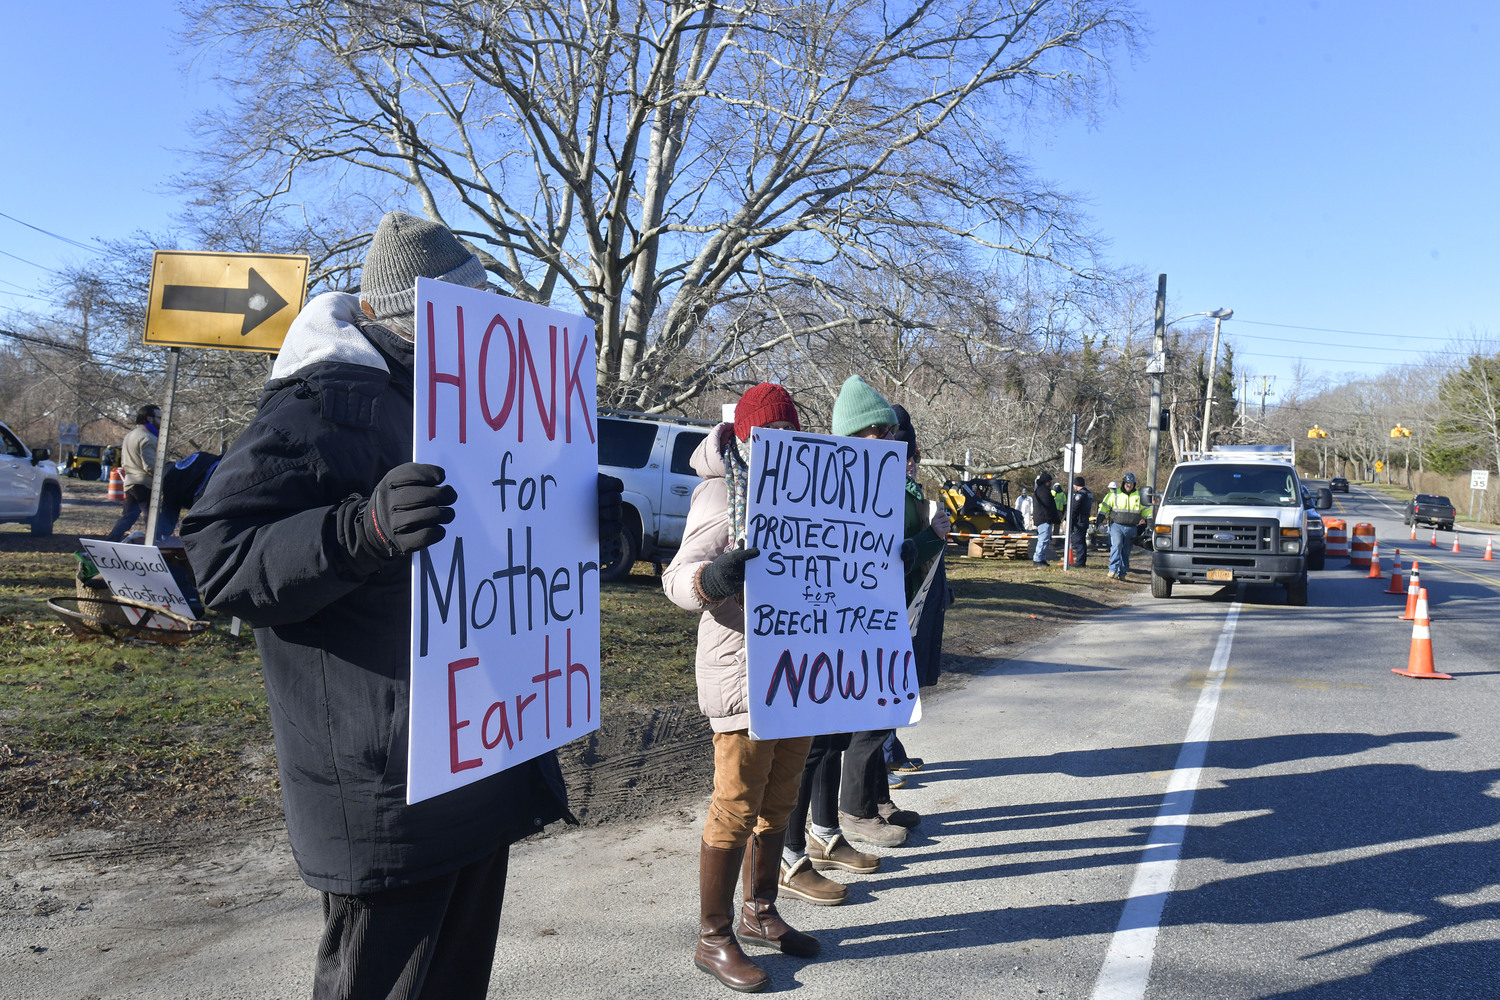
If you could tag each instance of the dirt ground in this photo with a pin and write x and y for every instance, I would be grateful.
(641, 763)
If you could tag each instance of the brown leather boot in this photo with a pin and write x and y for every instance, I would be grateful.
(718, 953)
(759, 922)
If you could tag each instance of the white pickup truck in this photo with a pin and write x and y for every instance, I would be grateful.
(30, 491)
(649, 453)
(1233, 514)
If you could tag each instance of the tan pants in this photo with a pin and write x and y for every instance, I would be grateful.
(755, 786)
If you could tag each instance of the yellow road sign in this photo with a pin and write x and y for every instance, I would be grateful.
(1379, 466)
(232, 301)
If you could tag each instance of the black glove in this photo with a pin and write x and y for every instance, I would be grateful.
(611, 507)
(908, 554)
(611, 519)
(725, 576)
(407, 510)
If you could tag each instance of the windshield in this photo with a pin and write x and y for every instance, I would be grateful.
(1263, 486)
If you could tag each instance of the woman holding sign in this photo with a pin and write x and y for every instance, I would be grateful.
(755, 781)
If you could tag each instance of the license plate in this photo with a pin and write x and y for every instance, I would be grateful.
(1221, 574)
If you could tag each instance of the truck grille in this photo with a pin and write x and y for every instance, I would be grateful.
(1227, 535)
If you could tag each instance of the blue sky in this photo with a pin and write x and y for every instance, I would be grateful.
(1325, 164)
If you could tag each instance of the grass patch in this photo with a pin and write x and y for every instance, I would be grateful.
(93, 732)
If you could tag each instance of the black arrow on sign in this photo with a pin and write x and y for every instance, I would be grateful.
(257, 303)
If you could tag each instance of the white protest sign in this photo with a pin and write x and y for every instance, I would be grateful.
(505, 609)
(826, 632)
(139, 573)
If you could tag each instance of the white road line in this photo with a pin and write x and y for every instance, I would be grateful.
(1127, 963)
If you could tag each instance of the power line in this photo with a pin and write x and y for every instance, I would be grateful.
(48, 232)
(1333, 361)
(1354, 333)
(1404, 350)
(33, 263)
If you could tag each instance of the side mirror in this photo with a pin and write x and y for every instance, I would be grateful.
(1147, 498)
(39, 455)
(1325, 498)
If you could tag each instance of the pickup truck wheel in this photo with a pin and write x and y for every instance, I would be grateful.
(625, 553)
(1160, 586)
(1448, 526)
(47, 511)
(1296, 591)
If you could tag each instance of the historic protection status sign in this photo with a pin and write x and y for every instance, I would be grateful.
(230, 301)
(827, 637)
(505, 609)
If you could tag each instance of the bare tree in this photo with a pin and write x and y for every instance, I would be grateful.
(676, 169)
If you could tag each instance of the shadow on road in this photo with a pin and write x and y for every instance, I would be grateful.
(1239, 754)
(1290, 822)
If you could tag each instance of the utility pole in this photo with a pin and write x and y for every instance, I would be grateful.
(1219, 315)
(1245, 403)
(1157, 367)
(1265, 390)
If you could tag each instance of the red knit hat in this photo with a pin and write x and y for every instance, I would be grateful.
(764, 404)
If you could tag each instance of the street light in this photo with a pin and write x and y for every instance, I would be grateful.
(1219, 316)
(1156, 369)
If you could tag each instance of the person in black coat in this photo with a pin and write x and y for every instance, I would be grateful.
(305, 531)
(1044, 513)
(1078, 522)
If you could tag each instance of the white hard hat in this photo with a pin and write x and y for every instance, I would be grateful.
(1113, 485)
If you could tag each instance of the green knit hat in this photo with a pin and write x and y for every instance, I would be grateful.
(858, 407)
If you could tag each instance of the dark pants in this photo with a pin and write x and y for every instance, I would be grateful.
(819, 792)
(434, 940)
(865, 784)
(137, 499)
(1079, 540)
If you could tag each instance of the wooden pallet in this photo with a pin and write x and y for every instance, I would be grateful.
(1002, 544)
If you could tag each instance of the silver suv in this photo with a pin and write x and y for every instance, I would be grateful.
(650, 454)
(30, 491)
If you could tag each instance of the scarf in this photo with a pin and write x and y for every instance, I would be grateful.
(737, 473)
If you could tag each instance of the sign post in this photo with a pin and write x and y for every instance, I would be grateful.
(226, 301)
(1479, 479)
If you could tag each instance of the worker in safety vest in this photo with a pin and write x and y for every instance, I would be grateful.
(1123, 509)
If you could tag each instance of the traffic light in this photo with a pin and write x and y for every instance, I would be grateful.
(1165, 422)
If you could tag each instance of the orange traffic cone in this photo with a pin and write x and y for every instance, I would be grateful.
(1413, 590)
(1397, 587)
(1434, 538)
(1374, 573)
(116, 492)
(1419, 661)
(1489, 549)
(1455, 543)
(1414, 531)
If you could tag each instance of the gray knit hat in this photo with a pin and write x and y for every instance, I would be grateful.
(404, 249)
(858, 407)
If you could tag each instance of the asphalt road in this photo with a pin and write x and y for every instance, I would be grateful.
(1215, 795)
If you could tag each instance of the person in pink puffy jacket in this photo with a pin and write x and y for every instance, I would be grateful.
(755, 781)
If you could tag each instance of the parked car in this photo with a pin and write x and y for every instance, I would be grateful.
(650, 454)
(1317, 538)
(1426, 508)
(1338, 484)
(30, 491)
